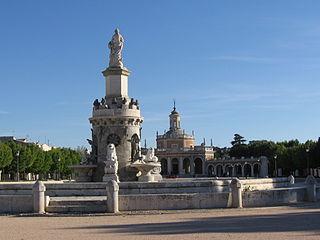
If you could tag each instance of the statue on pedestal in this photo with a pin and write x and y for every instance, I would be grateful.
(116, 45)
(111, 164)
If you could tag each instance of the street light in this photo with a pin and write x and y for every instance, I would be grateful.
(307, 151)
(59, 167)
(17, 155)
(275, 165)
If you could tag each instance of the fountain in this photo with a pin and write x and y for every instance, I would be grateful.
(116, 130)
(149, 167)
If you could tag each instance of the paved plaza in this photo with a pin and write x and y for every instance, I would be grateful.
(298, 221)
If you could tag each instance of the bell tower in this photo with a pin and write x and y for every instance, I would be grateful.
(174, 118)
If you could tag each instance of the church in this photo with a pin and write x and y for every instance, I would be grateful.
(177, 152)
(180, 157)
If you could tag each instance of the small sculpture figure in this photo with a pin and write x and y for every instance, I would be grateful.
(135, 148)
(86, 157)
(150, 157)
(96, 104)
(111, 166)
(116, 45)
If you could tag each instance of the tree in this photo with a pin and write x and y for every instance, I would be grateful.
(6, 156)
(239, 148)
(238, 140)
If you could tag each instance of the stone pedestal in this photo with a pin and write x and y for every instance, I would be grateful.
(311, 190)
(116, 81)
(236, 192)
(39, 201)
(112, 197)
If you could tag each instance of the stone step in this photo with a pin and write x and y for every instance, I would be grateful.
(77, 204)
(80, 200)
(76, 209)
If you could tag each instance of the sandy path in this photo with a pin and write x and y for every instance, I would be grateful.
(288, 222)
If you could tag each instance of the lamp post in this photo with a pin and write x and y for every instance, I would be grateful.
(307, 151)
(18, 174)
(275, 166)
(59, 167)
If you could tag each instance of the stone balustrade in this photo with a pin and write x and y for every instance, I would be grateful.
(130, 196)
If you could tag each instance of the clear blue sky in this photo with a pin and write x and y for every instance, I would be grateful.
(247, 67)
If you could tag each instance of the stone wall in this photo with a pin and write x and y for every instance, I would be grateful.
(273, 197)
(16, 198)
(165, 195)
(133, 202)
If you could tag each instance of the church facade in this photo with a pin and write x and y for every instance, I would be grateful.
(177, 152)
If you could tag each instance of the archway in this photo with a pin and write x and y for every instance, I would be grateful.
(198, 166)
(186, 165)
(238, 169)
(219, 171)
(210, 171)
(256, 170)
(247, 170)
(175, 166)
(164, 166)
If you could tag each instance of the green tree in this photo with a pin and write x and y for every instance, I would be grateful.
(5, 155)
(238, 140)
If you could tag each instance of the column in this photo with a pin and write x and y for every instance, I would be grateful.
(233, 171)
(242, 170)
(169, 160)
(192, 166)
(252, 172)
(204, 170)
(181, 170)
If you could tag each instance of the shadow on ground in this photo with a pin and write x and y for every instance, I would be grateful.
(291, 222)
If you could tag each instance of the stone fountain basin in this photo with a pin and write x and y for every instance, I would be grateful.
(145, 169)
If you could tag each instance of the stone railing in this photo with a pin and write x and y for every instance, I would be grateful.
(127, 196)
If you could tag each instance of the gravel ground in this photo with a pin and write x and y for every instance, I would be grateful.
(298, 221)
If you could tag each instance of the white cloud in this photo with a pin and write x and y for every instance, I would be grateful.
(4, 112)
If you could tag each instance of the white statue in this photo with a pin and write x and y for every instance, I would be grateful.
(150, 157)
(116, 45)
(111, 166)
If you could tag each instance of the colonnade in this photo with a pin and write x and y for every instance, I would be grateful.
(182, 166)
(235, 170)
